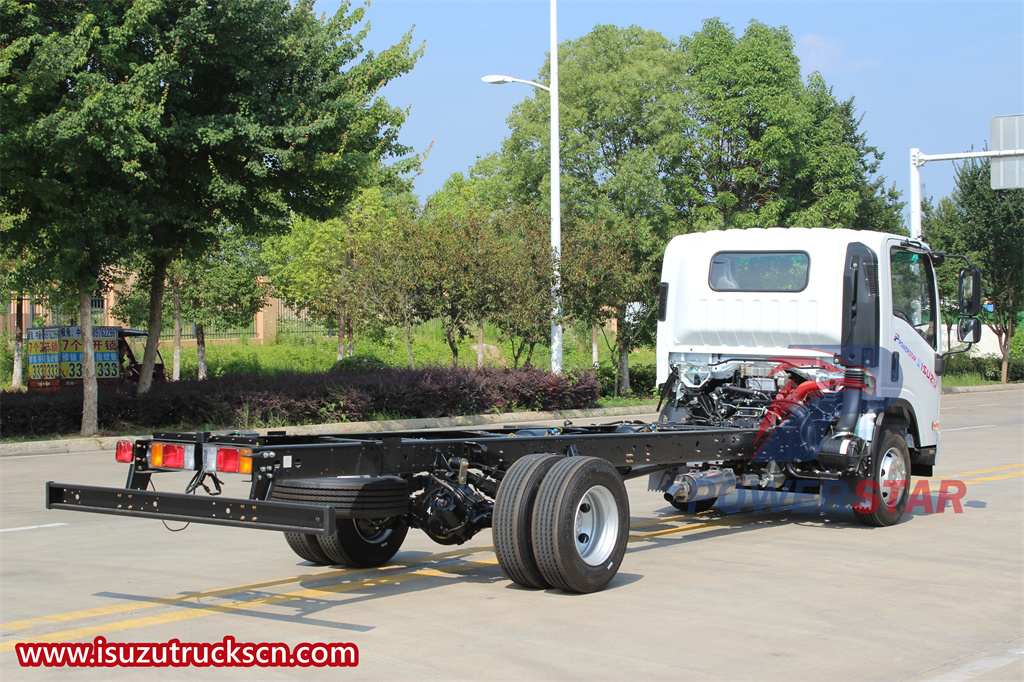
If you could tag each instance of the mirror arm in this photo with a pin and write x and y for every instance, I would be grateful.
(956, 256)
(946, 354)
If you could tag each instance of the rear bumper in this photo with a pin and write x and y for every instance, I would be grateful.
(220, 511)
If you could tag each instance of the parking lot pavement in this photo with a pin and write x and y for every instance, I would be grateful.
(787, 592)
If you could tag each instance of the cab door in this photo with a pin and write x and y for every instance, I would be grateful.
(913, 337)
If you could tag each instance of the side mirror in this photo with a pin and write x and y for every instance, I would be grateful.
(970, 292)
(968, 330)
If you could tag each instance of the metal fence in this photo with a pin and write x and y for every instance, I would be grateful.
(188, 332)
(292, 321)
(40, 316)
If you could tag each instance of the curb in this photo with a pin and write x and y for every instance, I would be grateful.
(982, 389)
(108, 443)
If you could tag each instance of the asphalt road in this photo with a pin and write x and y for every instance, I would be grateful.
(797, 594)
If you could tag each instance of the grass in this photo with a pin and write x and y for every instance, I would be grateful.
(308, 353)
(626, 402)
(968, 379)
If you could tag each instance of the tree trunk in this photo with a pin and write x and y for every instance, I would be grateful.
(517, 353)
(90, 405)
(1004, 348)
(156, 301)
(480, 345)
(407, 342)
(624, 370)
(201, 350)
(340, 354)
(19, 341)
(453, 344)
(595, 358)
(350, 336)
(176, 369)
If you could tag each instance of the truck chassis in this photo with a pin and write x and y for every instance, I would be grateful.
(555, 497)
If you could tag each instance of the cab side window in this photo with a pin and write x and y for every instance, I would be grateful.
(913, 300)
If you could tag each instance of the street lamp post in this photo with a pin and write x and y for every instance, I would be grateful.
(556, 193)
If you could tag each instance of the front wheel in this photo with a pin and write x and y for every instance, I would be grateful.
(883, 494)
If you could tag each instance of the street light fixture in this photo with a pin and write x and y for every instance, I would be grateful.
(556, 194)
(502, 80)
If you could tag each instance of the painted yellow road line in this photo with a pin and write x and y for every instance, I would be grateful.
(978, 471)
(996, 478)
(152, 602)
(227, 591)
(201, 611)
(686, 529)
(323, 575)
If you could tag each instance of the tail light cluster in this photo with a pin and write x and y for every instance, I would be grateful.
(231, 460)
(171, 456)
(227, 459)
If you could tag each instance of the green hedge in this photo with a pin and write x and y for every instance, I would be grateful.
(247, 401)
(989, 367)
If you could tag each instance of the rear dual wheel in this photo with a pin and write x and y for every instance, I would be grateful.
(579, 523)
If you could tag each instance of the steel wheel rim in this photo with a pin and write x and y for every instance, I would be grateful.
(892, 477)
(374, 531)
(596, 526)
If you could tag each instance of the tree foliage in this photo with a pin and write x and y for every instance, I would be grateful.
(988, 226)
(524, 269)
(79, 114)
(662, 137)
(143, 125)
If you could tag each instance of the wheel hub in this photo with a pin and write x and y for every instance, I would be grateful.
(596, 525)
(892, 478)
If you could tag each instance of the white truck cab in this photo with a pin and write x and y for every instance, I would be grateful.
(747, 318)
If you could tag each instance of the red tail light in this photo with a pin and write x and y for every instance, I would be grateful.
(125, 451)
(227, 459)
(174, 456)
(234, 460)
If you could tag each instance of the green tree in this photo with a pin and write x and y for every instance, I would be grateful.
(311, 267)
(524, 270)
(459, 247)
(713, 131)
(222, 288)
(243, 111)
(78, 118)
(14, 281)
(620, 108)
(388, 281)
(988, 226)
(766, 149)
(940, 232)
(316, 264)
(620, 292)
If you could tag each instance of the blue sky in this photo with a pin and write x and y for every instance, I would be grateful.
(926, 74)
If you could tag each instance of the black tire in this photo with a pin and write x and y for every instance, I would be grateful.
(580, 524)
(694, 507)
(364, 543)
(890, 461)
(308, 547)
(352, 497)
(512, 521)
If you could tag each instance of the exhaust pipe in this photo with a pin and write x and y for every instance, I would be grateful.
(701, 485)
